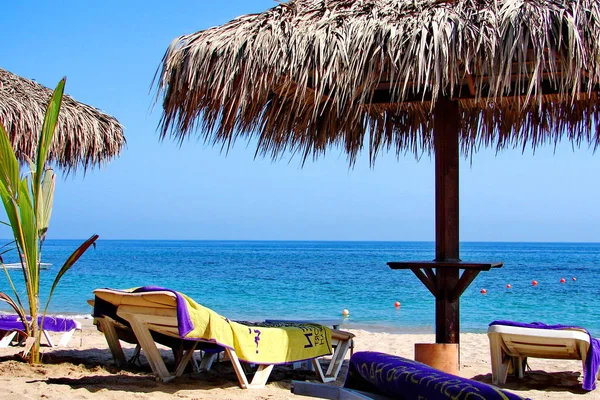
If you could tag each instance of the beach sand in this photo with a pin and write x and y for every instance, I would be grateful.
(84, 370)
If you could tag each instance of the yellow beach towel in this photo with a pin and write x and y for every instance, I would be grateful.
(259, 343)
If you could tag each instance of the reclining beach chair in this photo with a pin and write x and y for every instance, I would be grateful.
(116, 330)
(382, 376)
(13, 329)
(514, 342)
(156, 314)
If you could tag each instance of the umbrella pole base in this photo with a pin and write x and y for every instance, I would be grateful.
(442, 356)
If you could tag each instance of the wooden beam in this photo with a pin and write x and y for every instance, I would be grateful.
(465, 280)
(463, 92)
(431, 275)
(429, 284)
(446, 127)
(479, 266)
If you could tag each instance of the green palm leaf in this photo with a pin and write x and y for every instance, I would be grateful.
(9, 166)
(45, 200)
(47, 133)
(69, 263)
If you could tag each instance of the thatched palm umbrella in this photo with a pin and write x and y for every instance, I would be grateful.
(416, 76)
(85, 136)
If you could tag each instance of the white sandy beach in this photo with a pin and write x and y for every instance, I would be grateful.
(84, 370)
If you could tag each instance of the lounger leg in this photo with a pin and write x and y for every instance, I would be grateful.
(207, 361)
(65, 338)
(135, 358)
(142, 333)
(338, 359)
(318, 370)
(113, 340)
(260, 377)
(48, 338)
(7, 339)
(519, 366)
(237, 367)
(187, 356)
(499, 361)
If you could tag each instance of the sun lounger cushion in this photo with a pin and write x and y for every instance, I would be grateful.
(401, 378)
(260, 343)
(592, 360)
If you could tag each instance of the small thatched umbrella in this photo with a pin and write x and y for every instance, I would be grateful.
(433, 76)
(85, 136)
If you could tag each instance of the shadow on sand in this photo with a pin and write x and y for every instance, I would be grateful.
(94, 370)
(567, 381)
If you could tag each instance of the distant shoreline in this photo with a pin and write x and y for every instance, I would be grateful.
(316, 241)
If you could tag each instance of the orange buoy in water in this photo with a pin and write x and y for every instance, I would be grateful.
(397, 304)
(345, 312)
(508, 285)
(483, 291)
(534, 283)
(562, 280)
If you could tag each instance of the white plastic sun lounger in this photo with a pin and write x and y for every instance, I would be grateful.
(149, 312)
(512, 343)
(11, 327)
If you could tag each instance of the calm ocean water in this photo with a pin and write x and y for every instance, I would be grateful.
(303, 280)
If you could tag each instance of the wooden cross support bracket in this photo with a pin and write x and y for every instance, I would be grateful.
(424, 270)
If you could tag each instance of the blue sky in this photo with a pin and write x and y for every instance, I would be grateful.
(109, 52)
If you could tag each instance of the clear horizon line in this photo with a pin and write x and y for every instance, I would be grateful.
(316, 240)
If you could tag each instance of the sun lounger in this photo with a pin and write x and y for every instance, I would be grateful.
(13, 329)
(514, 342)
(117, 330)
(149, 312)
(378, 376)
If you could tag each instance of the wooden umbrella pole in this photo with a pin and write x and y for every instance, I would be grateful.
(446, 126)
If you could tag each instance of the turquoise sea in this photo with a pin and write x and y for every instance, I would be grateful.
(255, 280)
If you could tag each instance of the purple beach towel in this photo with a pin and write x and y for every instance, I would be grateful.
(184, 322)
(592, 361)
(404, 379)
(52, 324)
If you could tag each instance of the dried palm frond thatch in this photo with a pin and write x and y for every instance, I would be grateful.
(85, 136)
(308, 74)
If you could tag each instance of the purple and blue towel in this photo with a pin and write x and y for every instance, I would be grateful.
(401, 378)
(592, 361)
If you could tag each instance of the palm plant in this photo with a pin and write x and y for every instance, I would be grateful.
(27, 197)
